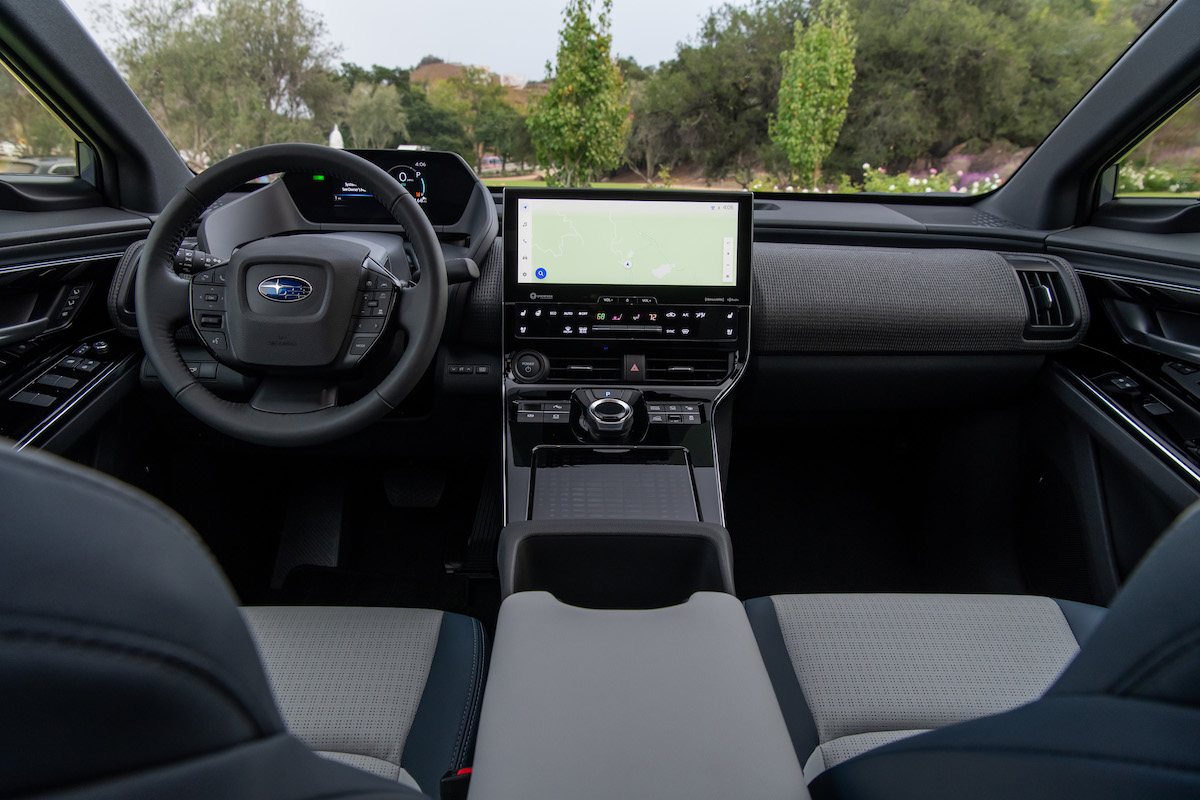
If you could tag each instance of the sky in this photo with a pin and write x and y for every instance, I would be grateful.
(397, 33)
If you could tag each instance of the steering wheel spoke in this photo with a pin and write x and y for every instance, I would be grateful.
(281, 395)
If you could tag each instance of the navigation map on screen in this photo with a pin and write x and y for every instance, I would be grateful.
(626, 242)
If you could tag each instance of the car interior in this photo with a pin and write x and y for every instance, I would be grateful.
(373, 481)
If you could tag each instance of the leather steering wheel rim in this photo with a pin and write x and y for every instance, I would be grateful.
(160, 313)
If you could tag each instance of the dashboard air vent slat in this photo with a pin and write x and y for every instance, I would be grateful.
(1045, 296)
(585, 368)
(688, 369)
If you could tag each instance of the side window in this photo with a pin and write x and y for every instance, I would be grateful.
(1167, 162)
(32, 140)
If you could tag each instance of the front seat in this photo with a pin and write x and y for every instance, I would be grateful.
(127, 670)
(1055, 699)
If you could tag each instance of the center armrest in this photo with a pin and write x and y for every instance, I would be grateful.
(667, 703)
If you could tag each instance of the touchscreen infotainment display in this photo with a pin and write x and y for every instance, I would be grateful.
(646, 246)
(611, 242)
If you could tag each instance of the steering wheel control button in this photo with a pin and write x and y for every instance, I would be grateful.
(529, 366)
(211, 320)
(368, 325)
(216, 340)
(208, 298)
(359, 345)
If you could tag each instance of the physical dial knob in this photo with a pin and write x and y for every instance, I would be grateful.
(608, 417)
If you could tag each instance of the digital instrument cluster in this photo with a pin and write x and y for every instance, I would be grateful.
(440, 182)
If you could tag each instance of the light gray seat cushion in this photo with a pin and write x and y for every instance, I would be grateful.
(349, 681)
(874, 668)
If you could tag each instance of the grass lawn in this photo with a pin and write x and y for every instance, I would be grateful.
(1158, 194)
(541, 184)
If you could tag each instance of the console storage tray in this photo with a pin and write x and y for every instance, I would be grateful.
(616, 563)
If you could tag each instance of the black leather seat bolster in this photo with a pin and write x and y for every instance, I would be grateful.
(1083, 618)
(121, 646)
(1094, 746)
(442, 737)
(280, 767)
(1149, 644)
(796, 714)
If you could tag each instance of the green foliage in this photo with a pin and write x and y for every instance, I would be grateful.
(27, 125)
(476, 99)
(375, 116)
(579, 126)
(879, 180)
(1159, 179)
(815, 89)
(710, 104)
(225, 75)
(504, 131)
(935, 73)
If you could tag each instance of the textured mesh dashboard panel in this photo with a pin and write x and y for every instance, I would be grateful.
(877, 300)
(481, 321)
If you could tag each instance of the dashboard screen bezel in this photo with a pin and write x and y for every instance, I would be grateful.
(737, 293)
(450, 182)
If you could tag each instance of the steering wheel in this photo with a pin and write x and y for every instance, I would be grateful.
(298, 310)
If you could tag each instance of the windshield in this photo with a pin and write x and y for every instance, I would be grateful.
(797, 96)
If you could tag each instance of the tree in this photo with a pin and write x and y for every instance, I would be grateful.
(27, 125)
(815, 89)
(579, 126)
(935, 74)
(711, 103)
(224, 75)
(503, 130)
(375, 116)
(474, 96)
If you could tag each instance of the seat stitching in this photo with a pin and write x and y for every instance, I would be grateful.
(477, 669)
(455, 745)
(468, 709)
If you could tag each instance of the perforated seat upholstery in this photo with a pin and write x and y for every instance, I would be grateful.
(874, 668)
(951, 696)
(392, 691)
(127, 671)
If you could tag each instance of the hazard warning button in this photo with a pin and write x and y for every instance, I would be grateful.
(635, 369)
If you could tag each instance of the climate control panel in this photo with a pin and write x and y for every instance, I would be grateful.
(625, 321)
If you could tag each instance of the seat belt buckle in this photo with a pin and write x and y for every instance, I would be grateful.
(454, 784)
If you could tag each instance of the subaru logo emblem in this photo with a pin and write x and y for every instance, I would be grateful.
(285, 289)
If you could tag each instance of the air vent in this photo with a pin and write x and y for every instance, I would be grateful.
(1051, 307)
(577, 369)
(688, 369)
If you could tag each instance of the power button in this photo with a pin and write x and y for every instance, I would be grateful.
(529, 366)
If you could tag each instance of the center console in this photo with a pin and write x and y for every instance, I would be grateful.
(626, 322)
